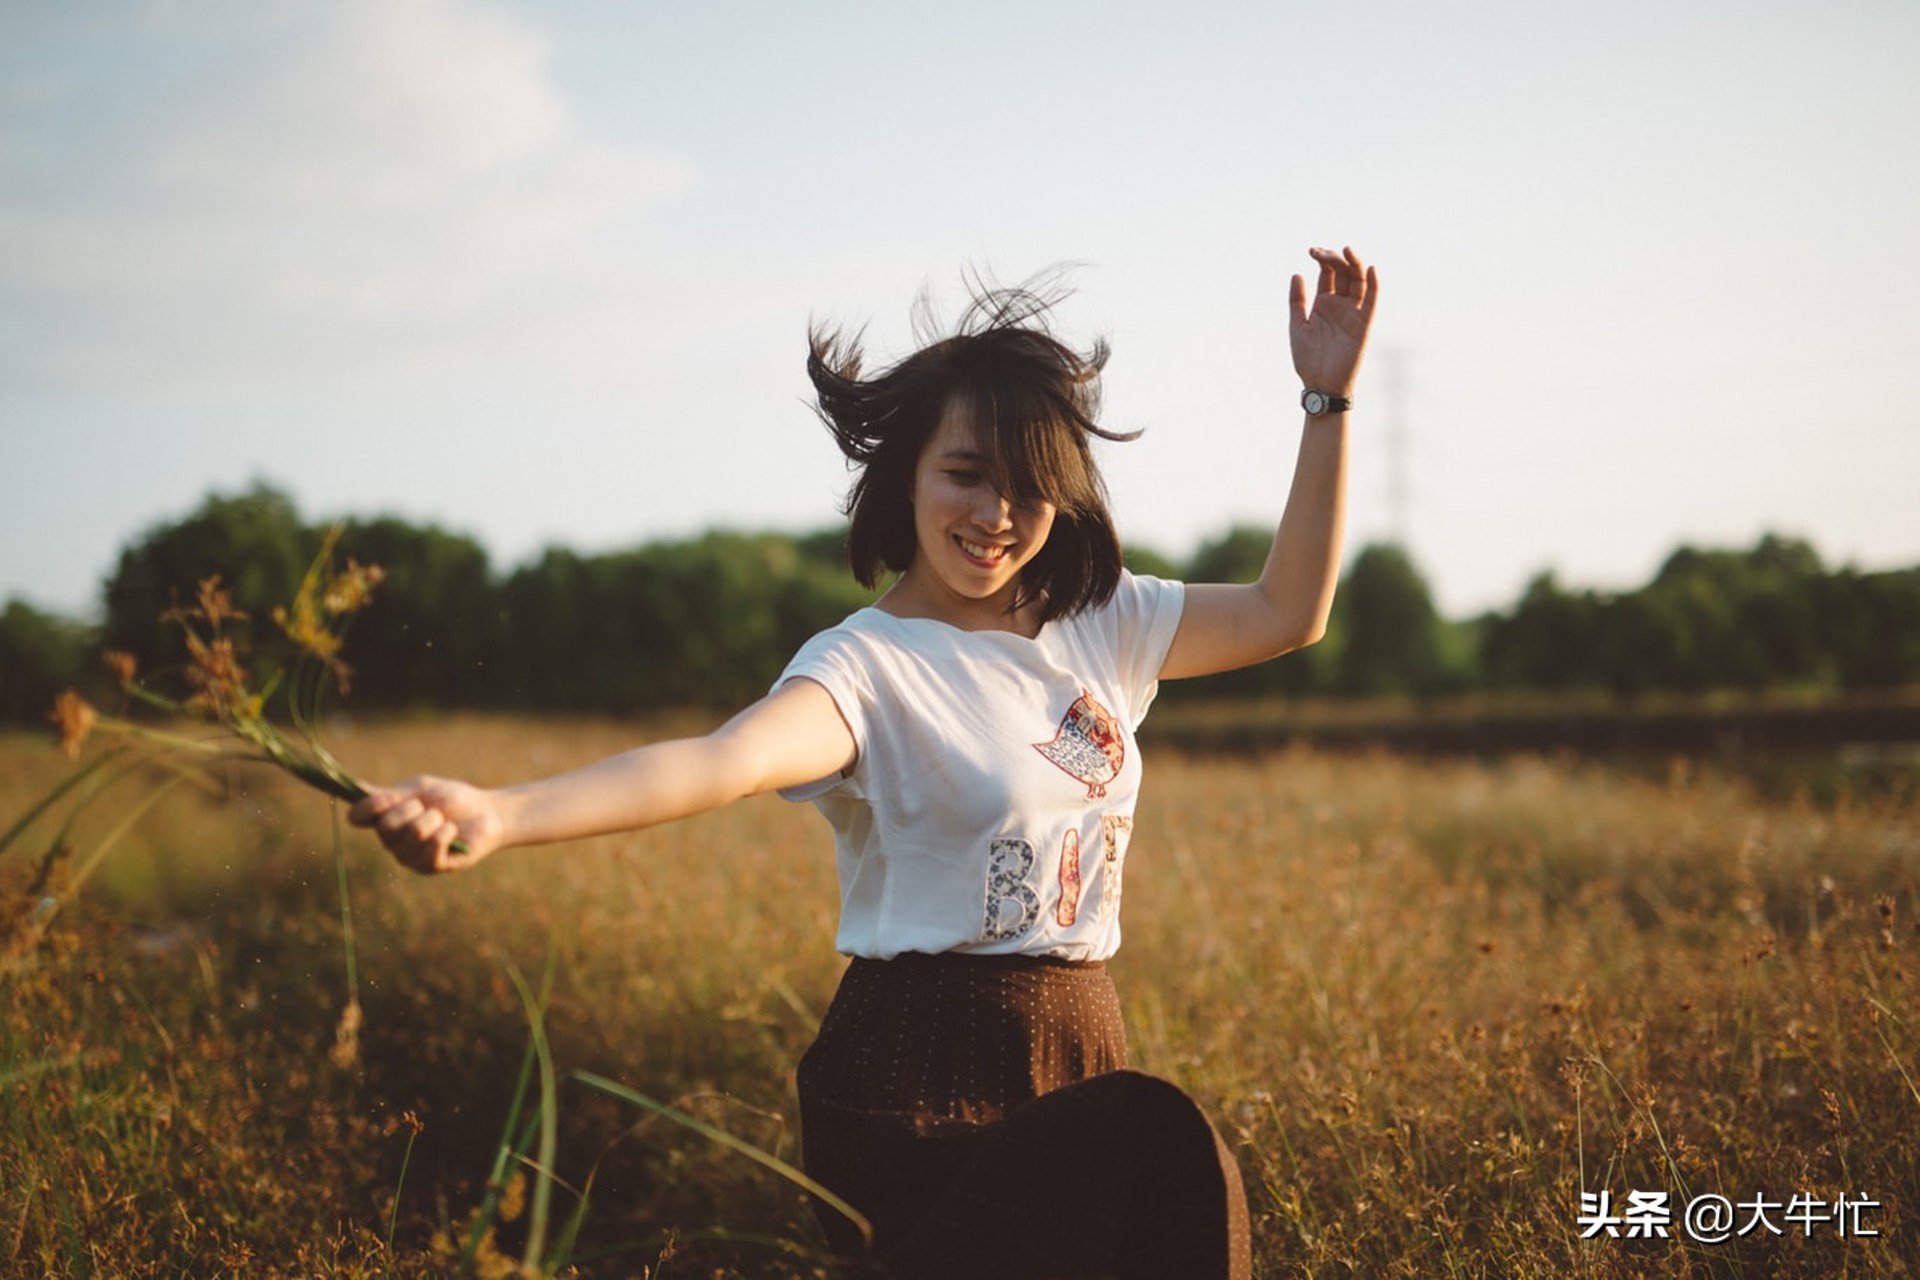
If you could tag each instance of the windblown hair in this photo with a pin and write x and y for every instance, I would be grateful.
(1031, 401)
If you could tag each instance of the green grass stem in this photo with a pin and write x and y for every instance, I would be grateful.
(346, 910)
(549, 1129)
(738, 1146)
(406, 1158)
(54, 796)
(508, 1151)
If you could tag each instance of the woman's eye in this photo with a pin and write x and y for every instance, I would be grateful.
(964, 477)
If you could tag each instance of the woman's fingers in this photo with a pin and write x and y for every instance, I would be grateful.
(424, 828)
(367, 809)
(399, 816)
(411, 824)
(1345, 275)
(425, 844)
(426, 836)
(1342, 272)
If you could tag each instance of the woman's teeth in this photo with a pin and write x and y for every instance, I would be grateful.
(979, 551)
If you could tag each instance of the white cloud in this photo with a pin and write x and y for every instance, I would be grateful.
(300, 190)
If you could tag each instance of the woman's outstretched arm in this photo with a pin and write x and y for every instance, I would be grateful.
(793, 735)
(1223, 627)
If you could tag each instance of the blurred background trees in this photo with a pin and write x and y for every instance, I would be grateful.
(40, 654)
(1767, 618)
(254, 541)
(711, 620)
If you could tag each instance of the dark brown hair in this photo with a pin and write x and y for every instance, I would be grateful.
(1031, 401)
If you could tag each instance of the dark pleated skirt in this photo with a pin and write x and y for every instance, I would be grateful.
(978, 1111)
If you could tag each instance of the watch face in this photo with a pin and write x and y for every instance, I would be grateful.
(1314, 402)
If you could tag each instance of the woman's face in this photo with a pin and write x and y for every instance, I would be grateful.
(972, 541)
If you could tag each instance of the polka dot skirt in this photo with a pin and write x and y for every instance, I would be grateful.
(964, 1102)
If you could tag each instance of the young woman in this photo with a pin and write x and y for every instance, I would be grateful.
(970, 739)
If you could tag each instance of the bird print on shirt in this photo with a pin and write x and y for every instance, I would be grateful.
(1088, 745)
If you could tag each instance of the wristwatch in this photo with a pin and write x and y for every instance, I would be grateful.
(1319, 402)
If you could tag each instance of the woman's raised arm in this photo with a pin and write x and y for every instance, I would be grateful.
(793, 735)
(1223, 627)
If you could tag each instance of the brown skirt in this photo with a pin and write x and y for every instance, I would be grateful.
(976, 1109)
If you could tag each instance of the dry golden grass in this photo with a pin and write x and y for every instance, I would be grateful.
(1447, 997)
(1429, 1004)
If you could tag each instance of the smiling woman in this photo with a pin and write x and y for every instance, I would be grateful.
(999, 414)
(970, 739)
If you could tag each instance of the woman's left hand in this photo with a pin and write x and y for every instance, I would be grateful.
(1329, 339)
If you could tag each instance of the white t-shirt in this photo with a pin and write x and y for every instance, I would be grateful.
(991, 802)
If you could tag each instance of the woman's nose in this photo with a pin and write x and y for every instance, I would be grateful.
(993, 512)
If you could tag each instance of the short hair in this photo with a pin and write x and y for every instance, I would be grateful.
(1032, 402)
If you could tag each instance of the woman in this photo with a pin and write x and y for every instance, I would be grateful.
(970, 739)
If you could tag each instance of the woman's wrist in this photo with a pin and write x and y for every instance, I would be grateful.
(513, 813)
(1319, 401)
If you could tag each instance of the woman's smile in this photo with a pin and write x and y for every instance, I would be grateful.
(989, 555)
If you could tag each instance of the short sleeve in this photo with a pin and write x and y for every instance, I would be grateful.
(829, 660)
(1146, 614)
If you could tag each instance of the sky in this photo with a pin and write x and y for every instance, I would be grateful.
(542, 274)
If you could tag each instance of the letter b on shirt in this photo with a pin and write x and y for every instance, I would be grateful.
(1012, 905)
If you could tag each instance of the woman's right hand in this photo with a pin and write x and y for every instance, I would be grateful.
(420, 820)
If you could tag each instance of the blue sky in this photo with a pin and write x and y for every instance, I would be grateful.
(542, 273)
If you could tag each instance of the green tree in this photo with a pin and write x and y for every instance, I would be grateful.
(825, 549)
(542, 606)
(1869, 626)
(254, 541)
(1549, 641)
(40, 654)
(1781, 610)
(433, 633)
(1145, 560)
(1742, 619)
(1393, 642)
(708, 621)
(1709, 619)
(1238, 555)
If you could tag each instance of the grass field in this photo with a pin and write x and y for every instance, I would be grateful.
(1429, 1004)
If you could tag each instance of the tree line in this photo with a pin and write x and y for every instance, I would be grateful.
(711, 620)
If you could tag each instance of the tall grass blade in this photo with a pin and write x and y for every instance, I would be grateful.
(406, 1158)
(346, 909)
(509, 1149)
(737, 1145)
(53, 797)
(61, 846)
(570, 1230)
(549, 1127)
